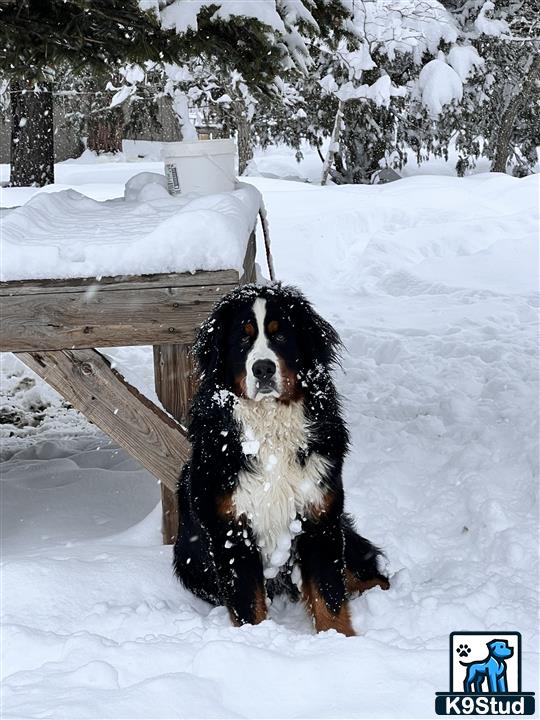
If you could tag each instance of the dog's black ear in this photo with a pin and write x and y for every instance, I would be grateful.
(208, 348)
(317, 337)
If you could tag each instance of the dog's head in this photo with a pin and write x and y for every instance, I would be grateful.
(264, 342)
(499, 649)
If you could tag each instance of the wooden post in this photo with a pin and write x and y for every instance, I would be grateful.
(175, 385)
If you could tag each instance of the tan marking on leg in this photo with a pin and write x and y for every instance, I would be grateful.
(235, 621)
(260, 610)
(354, 585)
(323, 617)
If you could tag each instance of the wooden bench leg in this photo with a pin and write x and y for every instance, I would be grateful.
(175, 385)
(169, 515)
(86, 379)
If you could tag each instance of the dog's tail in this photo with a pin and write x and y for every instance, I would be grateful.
(362, 558)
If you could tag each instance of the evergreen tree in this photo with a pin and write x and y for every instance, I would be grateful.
(361, 90)
(254, 46)
(255, 38)
(418, 76)
(472, 80)
(498, 115)
(36, 37)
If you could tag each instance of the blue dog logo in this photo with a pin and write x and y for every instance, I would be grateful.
(492, 669)
(485, 687)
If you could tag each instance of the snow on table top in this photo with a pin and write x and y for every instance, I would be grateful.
(68, 235)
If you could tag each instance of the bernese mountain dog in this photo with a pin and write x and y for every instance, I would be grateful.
(261, 500)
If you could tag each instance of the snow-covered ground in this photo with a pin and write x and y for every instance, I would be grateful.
(433, 284)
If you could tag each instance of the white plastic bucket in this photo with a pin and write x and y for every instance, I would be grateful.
(206, 166)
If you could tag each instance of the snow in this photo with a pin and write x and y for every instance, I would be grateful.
(121, 95)
(465, 60)
(488, 26)
(380, 91)
(395, 26)
(181, 108)
(432, 283)
(101, 177)
(280, 162)
(68, 235)
(182, 16)
(439, 84)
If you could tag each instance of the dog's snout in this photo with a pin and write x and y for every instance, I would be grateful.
(264, 370)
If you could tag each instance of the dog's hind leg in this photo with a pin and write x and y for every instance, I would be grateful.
(478, 685)
(361, 561)
(470, 677)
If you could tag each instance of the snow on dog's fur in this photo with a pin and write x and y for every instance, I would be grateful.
(275, 488)
(262, 494)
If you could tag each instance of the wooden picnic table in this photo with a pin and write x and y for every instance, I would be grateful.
(54, 327)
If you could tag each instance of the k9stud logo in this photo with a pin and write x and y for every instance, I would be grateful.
(485, 676)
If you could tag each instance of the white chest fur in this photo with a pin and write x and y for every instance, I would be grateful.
(277, 487)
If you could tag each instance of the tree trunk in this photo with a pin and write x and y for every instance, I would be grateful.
(334, 143)
(105, 131)
(504, 136)
(32, 135)
(245, 145)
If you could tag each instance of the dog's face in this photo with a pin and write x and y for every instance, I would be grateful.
(499, 649)
(263, 352)
(261, 341)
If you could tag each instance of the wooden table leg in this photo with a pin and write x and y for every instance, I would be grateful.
(175, 385)
(87, 381)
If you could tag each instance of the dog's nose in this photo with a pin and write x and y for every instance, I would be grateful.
(264, 370)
